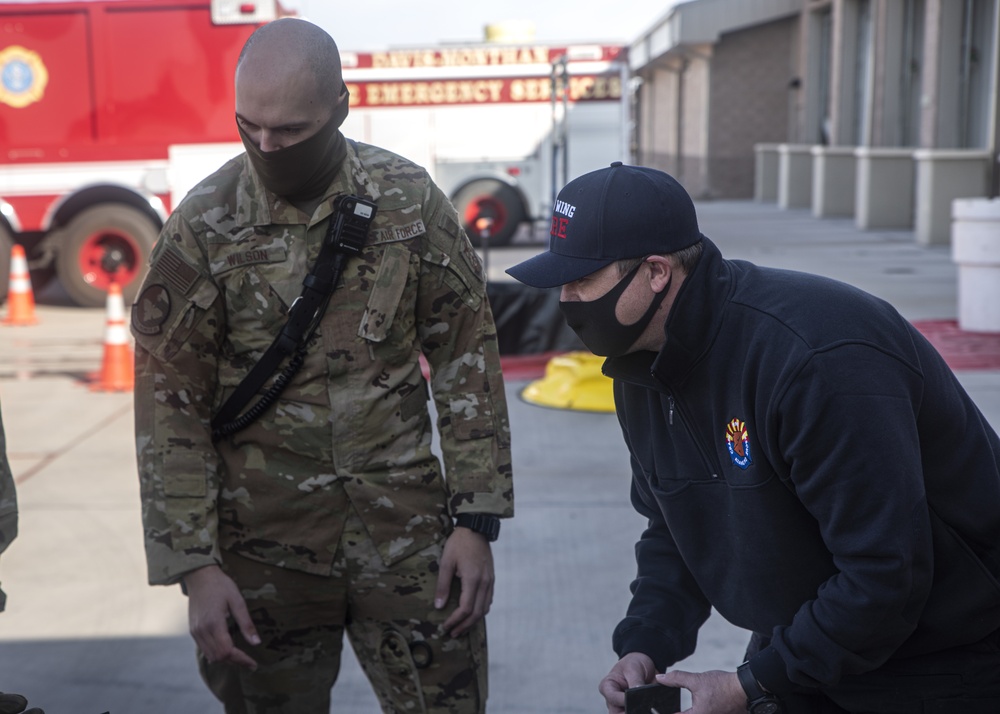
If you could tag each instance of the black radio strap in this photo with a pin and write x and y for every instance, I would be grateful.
(345, 237)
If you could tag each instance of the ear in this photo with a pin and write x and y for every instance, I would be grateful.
(660, 271)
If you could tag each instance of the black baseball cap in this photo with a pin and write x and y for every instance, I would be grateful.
(608, 215)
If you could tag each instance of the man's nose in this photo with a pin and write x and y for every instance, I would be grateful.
(567, 294)
(268, 141)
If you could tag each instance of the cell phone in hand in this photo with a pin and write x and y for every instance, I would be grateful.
(652, 699)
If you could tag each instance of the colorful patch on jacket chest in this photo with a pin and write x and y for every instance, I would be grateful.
(738, 443)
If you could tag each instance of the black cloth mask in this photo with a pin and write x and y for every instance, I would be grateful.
(597, 325)
(302, 171)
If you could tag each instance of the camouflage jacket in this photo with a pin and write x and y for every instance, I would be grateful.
(8, 503)
(354, 425)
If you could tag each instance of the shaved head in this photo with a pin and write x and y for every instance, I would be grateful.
(290, 46)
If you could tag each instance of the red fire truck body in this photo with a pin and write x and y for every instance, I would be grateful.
(110, 110)
(96, 99)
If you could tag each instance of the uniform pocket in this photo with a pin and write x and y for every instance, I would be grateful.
(256, 311)
(185, 486)
(184, 476)
(388, 322)
(386, 292)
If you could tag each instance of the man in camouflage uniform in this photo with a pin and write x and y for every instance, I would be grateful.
(330, 512)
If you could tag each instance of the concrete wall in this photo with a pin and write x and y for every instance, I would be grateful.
(867, 74)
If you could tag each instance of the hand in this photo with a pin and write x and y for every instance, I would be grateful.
(632, 670)
(212, 598)
(712, 692)
(468, 557)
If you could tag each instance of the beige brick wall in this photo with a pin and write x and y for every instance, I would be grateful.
(674, 111)
(750, 102)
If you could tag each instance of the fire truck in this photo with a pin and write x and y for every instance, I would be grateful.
(109, 111)
(500, 127)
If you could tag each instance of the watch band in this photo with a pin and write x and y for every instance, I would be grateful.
(758, 701)
(483, 523)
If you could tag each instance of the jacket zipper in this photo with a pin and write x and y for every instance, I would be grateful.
(710, 463)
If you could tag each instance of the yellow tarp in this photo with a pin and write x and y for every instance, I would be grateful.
(572, 381)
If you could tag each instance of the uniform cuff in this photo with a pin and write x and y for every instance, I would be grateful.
(170, 569)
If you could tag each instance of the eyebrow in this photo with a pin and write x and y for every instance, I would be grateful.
(289, 125)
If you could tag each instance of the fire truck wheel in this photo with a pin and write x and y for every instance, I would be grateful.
(6, 243)
(491, 207)
(104, 243)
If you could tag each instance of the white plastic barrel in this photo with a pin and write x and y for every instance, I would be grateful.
(975, 243)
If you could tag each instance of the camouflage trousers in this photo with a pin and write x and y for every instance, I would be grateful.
(389, 618)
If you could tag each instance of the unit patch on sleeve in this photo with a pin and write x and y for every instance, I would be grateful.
(151, 310)
(738, 443)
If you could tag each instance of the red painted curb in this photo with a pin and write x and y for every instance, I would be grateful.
(962, 350)
(518, 367)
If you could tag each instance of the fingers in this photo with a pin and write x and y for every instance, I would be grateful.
(676, 678)
(446, 573)
(241, 615)
(218, 646)
(212, 598)
(632, 670)
(239, 657)
(712, 691)
(466, 556)
(210, 634)
(213, 639)
(613, 691)
(473, 604)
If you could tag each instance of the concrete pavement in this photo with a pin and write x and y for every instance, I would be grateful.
(84, 634)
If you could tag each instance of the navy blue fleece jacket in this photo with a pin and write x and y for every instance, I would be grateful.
(810, 467)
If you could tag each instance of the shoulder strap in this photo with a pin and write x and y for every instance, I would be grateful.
(345, 236)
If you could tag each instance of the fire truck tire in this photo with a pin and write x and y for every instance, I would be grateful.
(103, 243)
(488, 198)
(6, 243)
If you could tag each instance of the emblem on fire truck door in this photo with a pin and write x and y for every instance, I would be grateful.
(23, 76)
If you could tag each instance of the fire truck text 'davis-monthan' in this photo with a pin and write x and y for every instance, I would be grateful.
(500, 127)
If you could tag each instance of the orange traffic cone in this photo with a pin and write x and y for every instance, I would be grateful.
(117, 368)
(20, 298)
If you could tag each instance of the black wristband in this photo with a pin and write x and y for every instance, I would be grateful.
(482, 523)
(758, 701)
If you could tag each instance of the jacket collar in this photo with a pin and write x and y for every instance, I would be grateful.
(691, 327)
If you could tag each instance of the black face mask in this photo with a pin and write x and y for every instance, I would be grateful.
(302, 171)
(597, 325)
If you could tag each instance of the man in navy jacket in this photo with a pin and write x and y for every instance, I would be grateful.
(808, 464)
